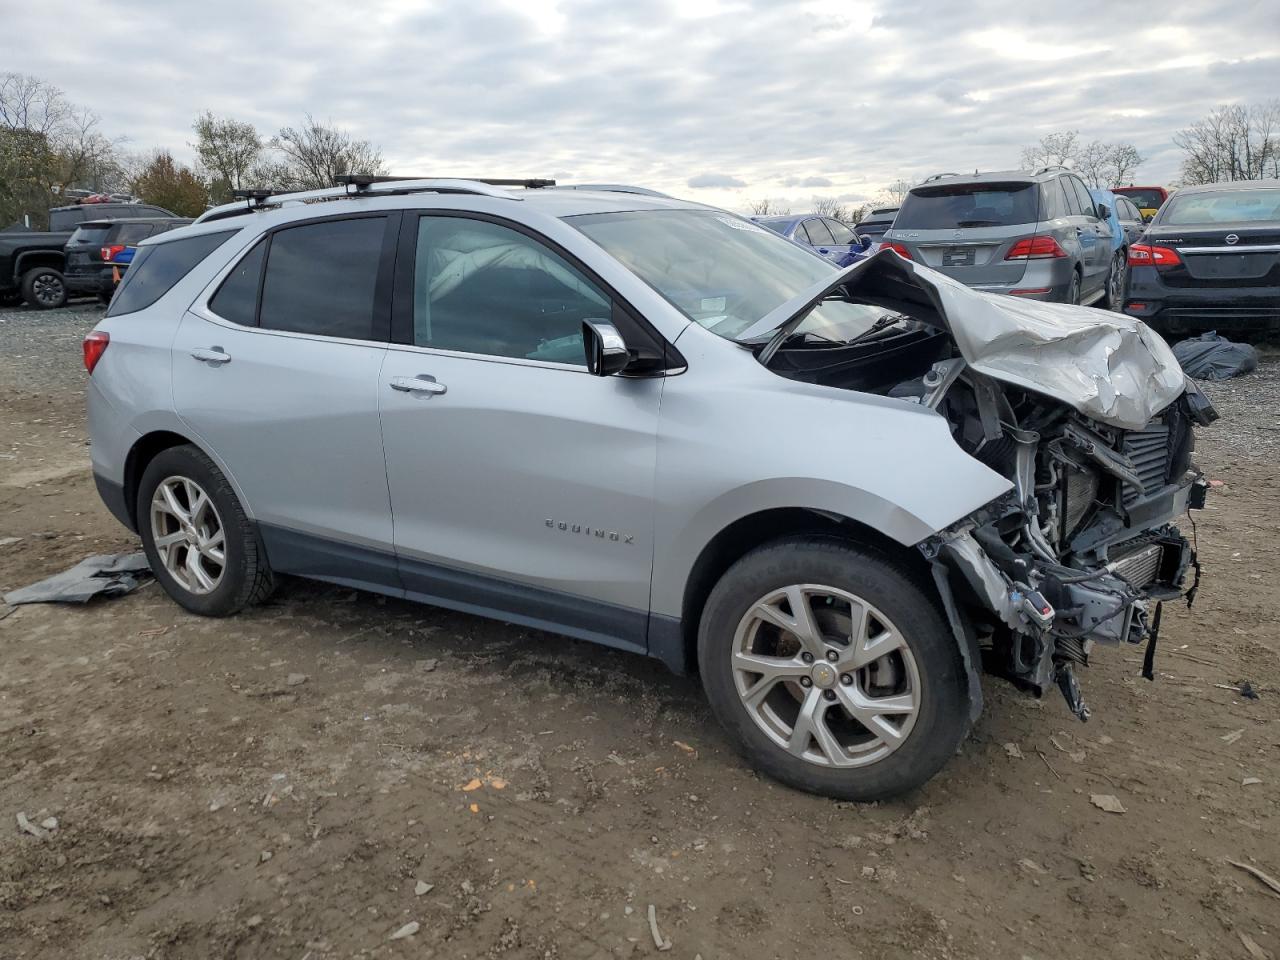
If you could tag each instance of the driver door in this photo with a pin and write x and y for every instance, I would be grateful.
(521, 485)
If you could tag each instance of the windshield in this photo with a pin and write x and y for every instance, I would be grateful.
(720, 271)
(1147, 199)
(968, 205)
(1228, 206)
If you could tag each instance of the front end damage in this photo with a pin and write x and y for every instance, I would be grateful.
(1084, 549)
(1085, 412)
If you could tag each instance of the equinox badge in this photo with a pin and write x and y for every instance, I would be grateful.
(586, 531)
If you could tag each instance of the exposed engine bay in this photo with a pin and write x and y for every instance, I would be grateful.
(1084, 548)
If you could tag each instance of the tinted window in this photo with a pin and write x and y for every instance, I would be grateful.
(1150, 199)
(1053, 202)
(321, 278)
(60, 220)
(155, 269)
(145, 211)
(839, 232)
(819, 235)
(1083, 200)
(1069, 198)
(131, 233)
(90, 235)
(968, 205)
(484, 288)
(237, 298)
(1227, 206)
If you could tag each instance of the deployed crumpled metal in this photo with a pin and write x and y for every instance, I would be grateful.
(108, 575)
(1108, 366)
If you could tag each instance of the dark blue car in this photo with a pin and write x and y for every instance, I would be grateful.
(831, 238)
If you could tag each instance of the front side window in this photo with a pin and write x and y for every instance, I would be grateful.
(819, 235)
(840, 233)
(157, 268)
(321, 277)
(1083, 200)
(483, 288)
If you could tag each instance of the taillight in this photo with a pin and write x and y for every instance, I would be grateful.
(899, 249)
(1146, 255)
(109, 253)
(1040, 247)
(95, 345)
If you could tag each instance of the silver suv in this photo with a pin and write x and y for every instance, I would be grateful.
(657, 426)
(1038, 236)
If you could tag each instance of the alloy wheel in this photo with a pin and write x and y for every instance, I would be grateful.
(188, 534)
(48, 289)
(1115, 291)
(826, 676)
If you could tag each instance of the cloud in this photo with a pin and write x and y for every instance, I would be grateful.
(704, 180)
(657, 94)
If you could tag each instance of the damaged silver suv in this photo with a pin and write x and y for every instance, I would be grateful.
(835, 494)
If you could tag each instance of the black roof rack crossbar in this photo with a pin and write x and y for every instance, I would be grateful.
(359, 180)
(257, 194)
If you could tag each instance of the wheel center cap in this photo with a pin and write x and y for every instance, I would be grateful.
(823, 675)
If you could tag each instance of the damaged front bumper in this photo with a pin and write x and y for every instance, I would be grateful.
(1032, 604)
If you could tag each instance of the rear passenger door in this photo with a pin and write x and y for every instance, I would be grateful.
(521, 485)
(276, 373)
(819, 236)
(843, 237)
(1095, 241)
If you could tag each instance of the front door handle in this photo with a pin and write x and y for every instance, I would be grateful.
(422, 383)
(214, 355)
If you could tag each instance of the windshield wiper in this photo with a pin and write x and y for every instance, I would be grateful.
(978, 223)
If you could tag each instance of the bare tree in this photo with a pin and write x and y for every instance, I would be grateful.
(830, 207)
(1092, 161)
(894, 193)
(228, 149)
(1237, 142)
(313, 155)
(1054, 149)
(1122, 163)
(763, 207)
(858, 214)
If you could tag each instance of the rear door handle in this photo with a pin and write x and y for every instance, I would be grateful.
(422, 383)
(214, 355)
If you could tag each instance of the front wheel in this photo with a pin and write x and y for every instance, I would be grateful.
(44, 288)
(199, 542)
(832, 670)
(1116, 281)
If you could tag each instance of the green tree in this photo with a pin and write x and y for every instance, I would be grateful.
(171, 185)
(228, 150)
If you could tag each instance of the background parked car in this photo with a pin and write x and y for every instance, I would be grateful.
(831, 238)
(1131, 219)
(1107, 202)
(100, 249)
(1147, 199)
(874, 224)
(1210, 260)
(1035, 235)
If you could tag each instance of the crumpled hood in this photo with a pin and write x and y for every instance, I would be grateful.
(1108, 366)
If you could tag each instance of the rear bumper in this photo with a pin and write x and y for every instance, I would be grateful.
(112, 495)
(90, 281)
(1047, 280)
(1177, 310)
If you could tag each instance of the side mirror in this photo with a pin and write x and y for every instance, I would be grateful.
(606, 350)
(1104, 212)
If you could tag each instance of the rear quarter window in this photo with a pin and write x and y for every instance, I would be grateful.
(955, 206)
(155, 270)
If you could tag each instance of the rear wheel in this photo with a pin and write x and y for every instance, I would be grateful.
(201, 546)
(1073, 291)
(1116, 281)
(832, 670)
(44, 288)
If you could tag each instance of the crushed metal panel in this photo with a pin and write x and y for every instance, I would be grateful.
(108, 575)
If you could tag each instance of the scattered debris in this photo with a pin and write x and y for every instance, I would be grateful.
(472, 784)
(1247, 690)
(685, 747)
(1211, 357)
(1269, 881)
(1251, 945)
(26, 826)
(422, 888)
(474, 808)
(1233, 736)
(153, 632)
(50, 823)
(108, 575)
(659, 941)
(498, 783)
(1107, 802)
(254, 921)
(296, 679)
(426, 666)
(1049, 765)
(1013, 750)
(1249, 781)
(1028, 864)
(408, 930)
(849, 882)
(266, 855)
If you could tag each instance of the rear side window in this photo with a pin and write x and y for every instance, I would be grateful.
(237, 298)
(969, 205)
(819, 235)
(155, 269)
(130, 233)
(1082, 196)
(840, 232)
(321, 277)
(60, 220)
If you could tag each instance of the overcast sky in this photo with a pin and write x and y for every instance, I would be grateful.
(724, 101)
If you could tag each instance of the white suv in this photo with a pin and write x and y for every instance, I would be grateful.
(654, 425)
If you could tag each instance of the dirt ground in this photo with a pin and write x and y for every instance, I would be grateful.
(303, 780)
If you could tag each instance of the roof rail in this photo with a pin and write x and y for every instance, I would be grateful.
(364, 185)
(615, 188)
(939, 176)
(1051, 166)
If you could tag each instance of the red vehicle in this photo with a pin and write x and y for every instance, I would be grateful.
(1146, 199)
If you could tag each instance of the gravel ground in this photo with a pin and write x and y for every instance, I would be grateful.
(319, 772)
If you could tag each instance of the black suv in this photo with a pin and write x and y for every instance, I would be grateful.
(100, 250)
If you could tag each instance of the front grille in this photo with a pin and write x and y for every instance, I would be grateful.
(1141, 567)
(1148, 450)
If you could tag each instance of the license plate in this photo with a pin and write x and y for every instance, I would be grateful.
(1232, 266)
(958, 257)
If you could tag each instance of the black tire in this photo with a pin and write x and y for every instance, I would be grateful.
(246, 577)
(44, 288)
(941, 722)
(1073, 291)
(1114, 300)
